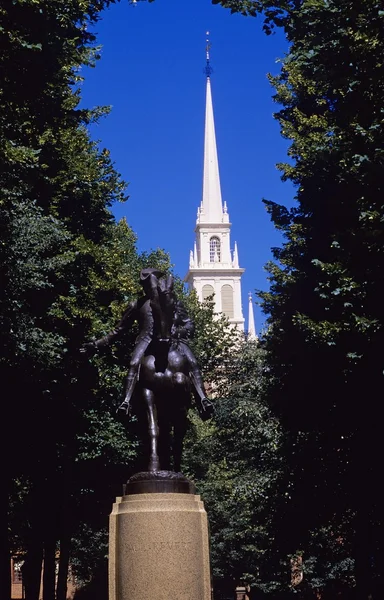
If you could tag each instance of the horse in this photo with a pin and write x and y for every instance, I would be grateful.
(164, 390)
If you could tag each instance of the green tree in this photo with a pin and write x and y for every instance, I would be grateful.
(326, 315)
(56, 190)
(241, 478)
(214, 338)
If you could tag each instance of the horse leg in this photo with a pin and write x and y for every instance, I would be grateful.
(164, 445)
(153, 430)
(179, 431)
(180, 421)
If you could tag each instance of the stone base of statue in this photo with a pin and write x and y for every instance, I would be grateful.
(158, 541)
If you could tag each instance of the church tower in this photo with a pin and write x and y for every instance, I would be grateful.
(213, 265)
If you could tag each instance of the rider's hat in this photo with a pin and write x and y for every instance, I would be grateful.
(145, 273)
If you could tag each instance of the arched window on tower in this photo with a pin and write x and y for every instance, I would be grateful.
(214, 249)
(227, 301)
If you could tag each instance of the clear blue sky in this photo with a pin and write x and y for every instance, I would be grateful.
(151, 73)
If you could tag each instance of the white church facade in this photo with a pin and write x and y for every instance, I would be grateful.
(213, 265)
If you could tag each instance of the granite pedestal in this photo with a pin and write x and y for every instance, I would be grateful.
(158, 545)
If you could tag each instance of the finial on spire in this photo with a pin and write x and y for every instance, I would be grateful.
(251, 320)
(195, 254)
(235, 263)
(208, 68)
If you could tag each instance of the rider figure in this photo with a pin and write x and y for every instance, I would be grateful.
(160, 317)
(183, 330)
(142, 311)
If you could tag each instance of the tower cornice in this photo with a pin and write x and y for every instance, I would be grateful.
(225, 271)
(211, 226)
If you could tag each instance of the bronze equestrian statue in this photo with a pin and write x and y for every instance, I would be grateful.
(162, 369)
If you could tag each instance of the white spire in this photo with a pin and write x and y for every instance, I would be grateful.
(212, 202)
(195, 254)
(251, 320)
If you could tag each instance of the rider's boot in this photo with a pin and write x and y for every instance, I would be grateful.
(206, 409)
(204, 405)
(131, 382)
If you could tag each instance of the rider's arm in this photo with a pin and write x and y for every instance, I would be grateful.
(124, 324)
(185, 325)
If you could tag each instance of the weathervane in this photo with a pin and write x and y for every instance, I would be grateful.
(208, 68)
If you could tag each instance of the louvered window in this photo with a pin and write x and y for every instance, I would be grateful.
(207, 291)
(227, 301)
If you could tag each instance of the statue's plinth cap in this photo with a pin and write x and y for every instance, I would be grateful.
(160, 482)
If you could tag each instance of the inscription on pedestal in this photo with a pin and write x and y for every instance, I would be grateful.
(174, 546)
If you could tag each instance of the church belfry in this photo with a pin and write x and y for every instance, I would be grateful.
(213, 265)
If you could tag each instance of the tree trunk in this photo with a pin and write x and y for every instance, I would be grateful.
(6, 468)
(32, 570)
(49, 572)
(61, 588)
(364, 543)
(363, 570)
(5, 555)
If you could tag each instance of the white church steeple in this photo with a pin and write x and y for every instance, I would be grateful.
(214, 267)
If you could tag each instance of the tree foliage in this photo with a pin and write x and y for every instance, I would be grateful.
(60, 254)
(240, 480)
(324, 305)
